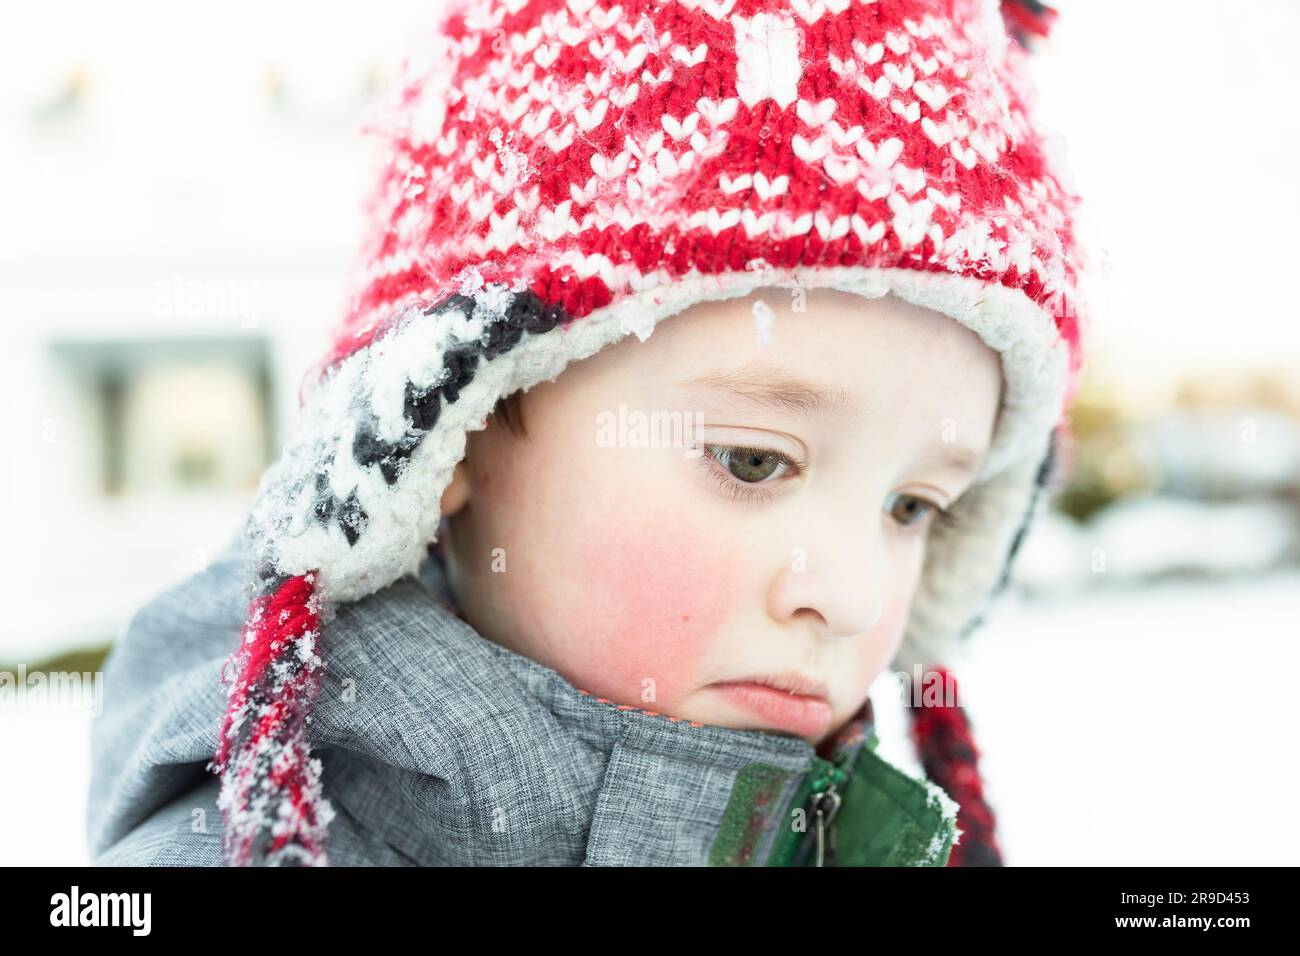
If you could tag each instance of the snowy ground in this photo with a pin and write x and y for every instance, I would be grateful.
(1132, 727)
(1143, 727)
(45, 756)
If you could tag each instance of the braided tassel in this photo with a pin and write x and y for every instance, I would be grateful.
(942, 735)
(272, 807)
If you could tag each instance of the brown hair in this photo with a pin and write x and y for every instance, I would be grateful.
(510, 411)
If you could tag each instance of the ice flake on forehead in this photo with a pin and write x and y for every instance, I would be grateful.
(764, 319)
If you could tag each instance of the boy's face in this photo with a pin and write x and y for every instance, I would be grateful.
(778, 529)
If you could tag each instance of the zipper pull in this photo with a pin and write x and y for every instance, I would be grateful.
(826, 806)
(826, 802)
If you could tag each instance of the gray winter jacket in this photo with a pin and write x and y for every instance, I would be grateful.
(440, 747)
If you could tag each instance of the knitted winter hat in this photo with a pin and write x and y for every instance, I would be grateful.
(562, 173)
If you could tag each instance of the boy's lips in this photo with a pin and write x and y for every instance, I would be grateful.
(792, 682)
(788, 702)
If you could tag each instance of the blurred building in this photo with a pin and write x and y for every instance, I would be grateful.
(179, 219)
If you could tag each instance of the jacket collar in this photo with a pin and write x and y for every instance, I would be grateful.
(441, 747)
(673, 791)
(450, 749)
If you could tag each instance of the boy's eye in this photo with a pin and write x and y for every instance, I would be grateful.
(909, 510)
(750, 465)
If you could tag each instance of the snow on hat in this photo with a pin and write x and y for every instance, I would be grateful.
(560, 174)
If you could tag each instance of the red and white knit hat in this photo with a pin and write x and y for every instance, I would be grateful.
(562, 173)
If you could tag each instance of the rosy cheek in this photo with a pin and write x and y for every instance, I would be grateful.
(655, 597)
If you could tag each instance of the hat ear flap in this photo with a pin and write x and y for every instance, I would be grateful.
(271, 801)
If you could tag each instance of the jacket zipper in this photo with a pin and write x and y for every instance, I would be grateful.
(826, 780)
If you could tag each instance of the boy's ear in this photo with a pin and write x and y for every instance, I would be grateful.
(456, 495)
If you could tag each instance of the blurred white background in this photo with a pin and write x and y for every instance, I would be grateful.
(180, 203)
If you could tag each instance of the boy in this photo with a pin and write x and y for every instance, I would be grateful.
(759, 220)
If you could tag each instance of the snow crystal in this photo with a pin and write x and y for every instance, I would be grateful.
(934, 849)
(646, 28)
(390, 367)
(513, 163)
(471, 280)
(307, 647)
(938, 798)
(492, 304)
(465, 328)
(639, 322)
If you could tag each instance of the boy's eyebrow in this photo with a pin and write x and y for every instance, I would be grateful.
(960, 457)
(766, 386)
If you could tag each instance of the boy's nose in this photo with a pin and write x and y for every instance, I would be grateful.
(838, 588)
